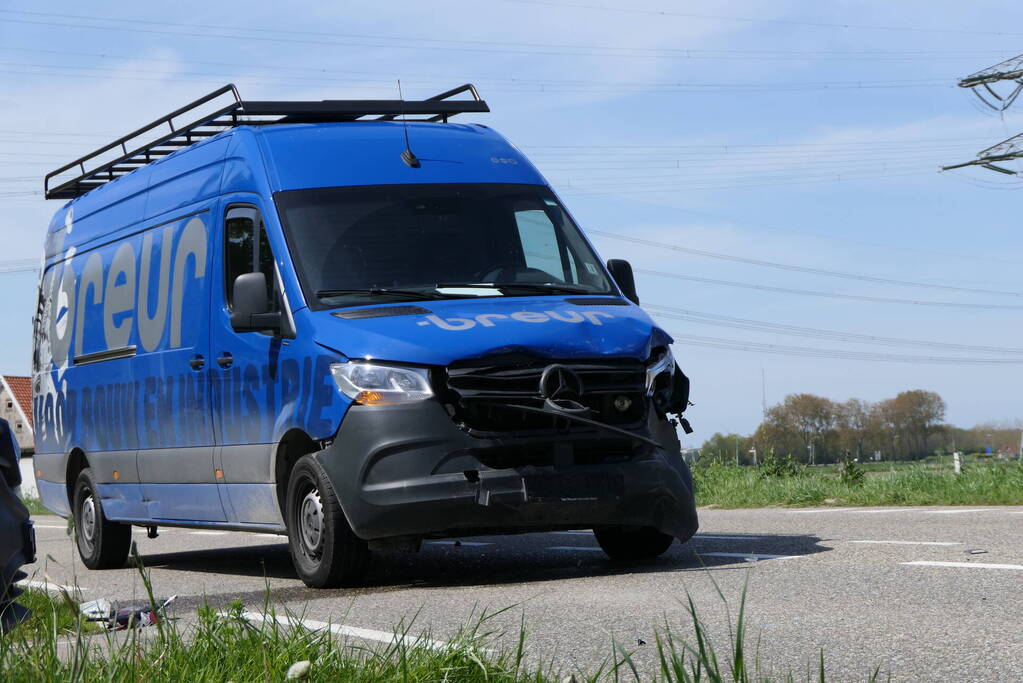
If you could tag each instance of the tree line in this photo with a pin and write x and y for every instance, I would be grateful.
(815, 430)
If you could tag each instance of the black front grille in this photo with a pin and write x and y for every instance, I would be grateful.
(481, 390)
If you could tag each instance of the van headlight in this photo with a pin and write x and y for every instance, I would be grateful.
(665, 363)
(375, 384)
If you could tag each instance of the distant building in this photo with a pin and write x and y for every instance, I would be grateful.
(16, 408)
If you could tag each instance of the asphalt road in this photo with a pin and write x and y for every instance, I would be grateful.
(927, 594)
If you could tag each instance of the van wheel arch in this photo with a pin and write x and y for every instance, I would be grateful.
(292, 446)
(76, 462)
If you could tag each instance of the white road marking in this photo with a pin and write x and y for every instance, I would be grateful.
(49, 587)
(711, 537)
(343, 630)
(909, 542)
(966, 565)
(750, 556)
(818, 510)
(575, 547)
(208, 533)
(476, 543)
(880, 511)
(949, 512)
(280, 536)
(63, 527)
(581, 533)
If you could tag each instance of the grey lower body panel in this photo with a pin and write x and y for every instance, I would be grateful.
(409, 471)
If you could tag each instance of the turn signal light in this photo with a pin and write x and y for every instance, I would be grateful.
(369, 398)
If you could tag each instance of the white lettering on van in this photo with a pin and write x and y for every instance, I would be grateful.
(119, 297)
(487, 319)
(151, 327)
(92, 278)
(192, 243)
(530, 317)
(124, 293)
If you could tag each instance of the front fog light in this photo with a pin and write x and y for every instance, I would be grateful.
(372, 384)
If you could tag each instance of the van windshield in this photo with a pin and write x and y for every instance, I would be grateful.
(358, 245)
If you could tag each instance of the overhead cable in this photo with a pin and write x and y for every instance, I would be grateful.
(798, 268)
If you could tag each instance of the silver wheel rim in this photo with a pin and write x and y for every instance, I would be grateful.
(310, 515)
(87, 521)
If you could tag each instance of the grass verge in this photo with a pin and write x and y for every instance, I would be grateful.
(739, 487)
(56, 613)
(55, 646)
(34, 506)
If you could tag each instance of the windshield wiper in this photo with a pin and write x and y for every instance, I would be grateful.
(528, 286)
(417, 294)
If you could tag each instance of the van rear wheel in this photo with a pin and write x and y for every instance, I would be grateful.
(102, 544)
(632, 543)
(325, 550)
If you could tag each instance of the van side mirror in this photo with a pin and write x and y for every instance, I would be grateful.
(621, 271)
(251, 306)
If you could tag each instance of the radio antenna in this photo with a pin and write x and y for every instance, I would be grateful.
(407, 156)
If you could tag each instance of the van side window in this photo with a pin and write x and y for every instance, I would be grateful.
(247, 250)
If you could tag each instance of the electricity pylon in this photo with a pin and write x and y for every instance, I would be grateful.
(1009, 71)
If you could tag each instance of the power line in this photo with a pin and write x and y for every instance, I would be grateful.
(685, 178)
(758, 20)
(404, 42)
(832, 354)
(675, 189)
(520, 86)
(797, 268)
(829, 295)
(581, 84)
(817, 333)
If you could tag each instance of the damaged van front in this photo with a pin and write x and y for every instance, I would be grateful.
(500, 382)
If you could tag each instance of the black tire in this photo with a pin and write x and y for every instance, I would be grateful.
(325, 550)
(102, 544)
(632, 543)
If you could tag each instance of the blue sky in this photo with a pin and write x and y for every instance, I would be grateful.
(799, 133)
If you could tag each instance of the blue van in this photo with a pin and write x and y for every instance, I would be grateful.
(350, 322)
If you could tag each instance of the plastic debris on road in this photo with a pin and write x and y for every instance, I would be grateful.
(119, 619)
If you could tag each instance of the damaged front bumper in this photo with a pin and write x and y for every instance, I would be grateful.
(407, 471)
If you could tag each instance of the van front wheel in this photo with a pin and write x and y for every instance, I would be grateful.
(325, 550)
(101, 543)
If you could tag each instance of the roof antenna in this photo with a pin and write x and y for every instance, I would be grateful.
(407, 156)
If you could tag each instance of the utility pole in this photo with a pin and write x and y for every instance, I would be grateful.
(736, 450)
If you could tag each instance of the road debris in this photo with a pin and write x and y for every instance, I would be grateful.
(120, 619)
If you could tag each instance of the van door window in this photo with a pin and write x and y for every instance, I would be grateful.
(247, 250)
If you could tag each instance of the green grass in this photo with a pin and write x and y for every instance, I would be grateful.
(59, 612)
(34, 506)
(740, 487)
(220, 647)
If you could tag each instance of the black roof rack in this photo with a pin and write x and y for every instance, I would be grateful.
(124, 155)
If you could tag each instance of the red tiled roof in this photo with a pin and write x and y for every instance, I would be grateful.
(21, 387)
